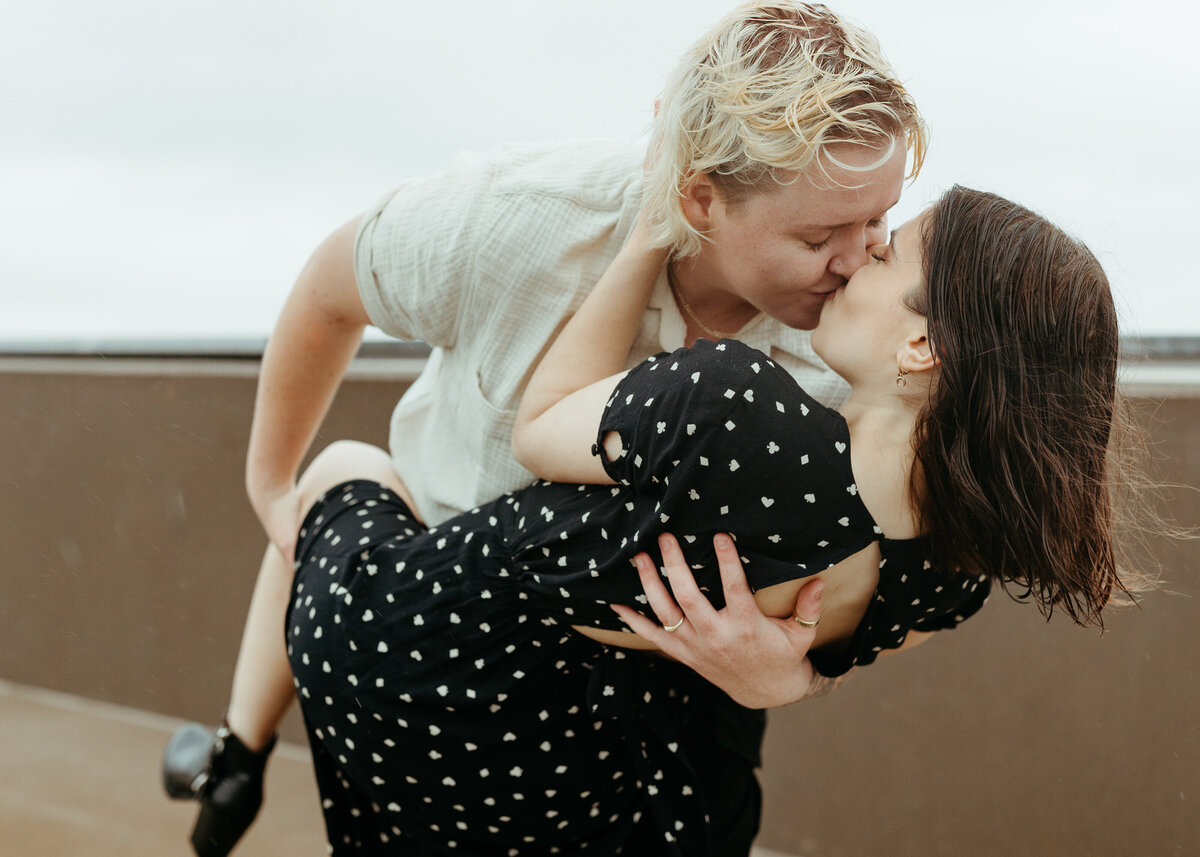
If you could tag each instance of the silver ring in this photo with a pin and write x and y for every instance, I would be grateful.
(671, 629)
(807, 623)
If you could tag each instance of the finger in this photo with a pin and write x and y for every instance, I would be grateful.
(638, 623)
(669, 644)
(808, 604)
(661, 602)
(688, 596)
(733, 577)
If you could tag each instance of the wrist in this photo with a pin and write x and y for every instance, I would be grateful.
(821, 685)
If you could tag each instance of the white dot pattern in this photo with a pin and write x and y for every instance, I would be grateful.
(449, 706)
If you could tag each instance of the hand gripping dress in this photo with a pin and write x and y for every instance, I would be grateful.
(451, 709)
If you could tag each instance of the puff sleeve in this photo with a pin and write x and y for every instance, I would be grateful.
(666, 406)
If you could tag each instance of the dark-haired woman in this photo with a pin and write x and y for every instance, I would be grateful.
(468, 688)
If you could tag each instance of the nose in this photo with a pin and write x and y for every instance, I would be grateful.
(851, 254)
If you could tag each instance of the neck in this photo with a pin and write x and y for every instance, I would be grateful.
(708, 310)
(881, 445)
(880, 413)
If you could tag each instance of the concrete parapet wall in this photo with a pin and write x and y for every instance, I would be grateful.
(130, 553)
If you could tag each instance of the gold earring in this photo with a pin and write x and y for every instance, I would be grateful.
(901, 372)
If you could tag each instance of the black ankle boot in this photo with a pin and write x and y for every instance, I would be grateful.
(224, 775)
(185, 761)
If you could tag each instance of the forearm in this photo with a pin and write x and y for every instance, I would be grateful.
(316, 337)
(302, 368)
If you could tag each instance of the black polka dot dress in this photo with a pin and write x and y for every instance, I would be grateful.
(450, 707)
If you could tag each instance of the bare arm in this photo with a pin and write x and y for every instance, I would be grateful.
(556, 423)
(316, 336)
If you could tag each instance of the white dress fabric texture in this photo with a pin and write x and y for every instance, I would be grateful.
(485, 262)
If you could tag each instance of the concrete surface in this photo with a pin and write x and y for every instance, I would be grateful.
(80, 778)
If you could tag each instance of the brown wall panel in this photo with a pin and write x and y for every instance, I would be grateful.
(130, 552)
(130, 547)
(1011, 735)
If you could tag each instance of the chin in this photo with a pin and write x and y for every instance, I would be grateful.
(837, 370)
(817, 341)
(806, 320)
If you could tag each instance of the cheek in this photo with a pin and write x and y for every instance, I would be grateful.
(854, 315)
(790, 267)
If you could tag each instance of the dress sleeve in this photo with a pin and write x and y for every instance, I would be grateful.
(971, 592)
(666, 405)
(912, 596)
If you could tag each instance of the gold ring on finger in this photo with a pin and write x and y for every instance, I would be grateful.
(807, 623)
(671, 629)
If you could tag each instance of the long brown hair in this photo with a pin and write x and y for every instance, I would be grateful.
(1012, 445)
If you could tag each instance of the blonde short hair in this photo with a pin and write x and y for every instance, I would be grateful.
(761, 98)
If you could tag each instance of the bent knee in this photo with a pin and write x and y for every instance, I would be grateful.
(352, 453)
(344, 460)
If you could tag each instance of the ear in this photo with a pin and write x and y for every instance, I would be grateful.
(916, 355)
(698, 200)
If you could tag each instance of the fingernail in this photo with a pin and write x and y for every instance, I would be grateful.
(724, 542)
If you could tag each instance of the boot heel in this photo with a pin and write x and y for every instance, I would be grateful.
(216, 831)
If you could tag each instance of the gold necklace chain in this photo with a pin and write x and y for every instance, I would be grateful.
(691, 313)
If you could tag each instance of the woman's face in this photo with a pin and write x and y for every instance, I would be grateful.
(784, 249)
(866, 323)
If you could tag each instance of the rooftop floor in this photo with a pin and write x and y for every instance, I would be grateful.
(80, 778)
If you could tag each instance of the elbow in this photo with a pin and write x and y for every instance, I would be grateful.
(533, 448)
(522, 447)
(528, 426)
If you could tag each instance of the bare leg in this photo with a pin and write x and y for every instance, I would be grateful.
(224, 771)
(262, 679)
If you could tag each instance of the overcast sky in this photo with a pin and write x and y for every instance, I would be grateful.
(167, 167)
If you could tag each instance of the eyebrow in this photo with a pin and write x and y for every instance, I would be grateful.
(815, 226)
(823, 228)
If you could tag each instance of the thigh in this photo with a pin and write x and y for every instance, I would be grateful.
(345, 460)
(723, 741)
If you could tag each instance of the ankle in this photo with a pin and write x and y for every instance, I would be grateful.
(255, 739)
